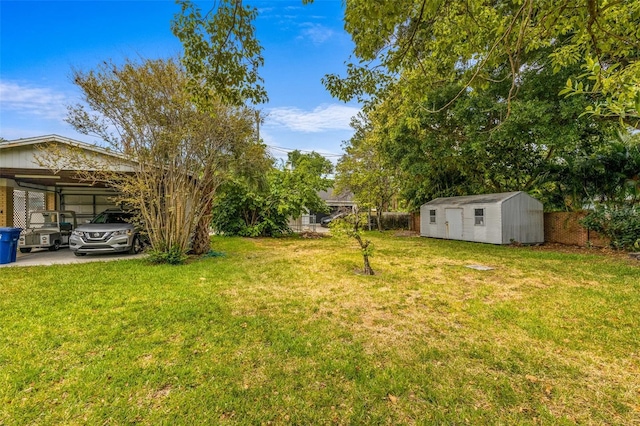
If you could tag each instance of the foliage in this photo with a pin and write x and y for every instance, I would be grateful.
(351, 226)
(364, 170)
(221, 59)
(620, 223)
(242, 210)
(300, 179)
(420, 45)
(481, 144)
(611, 178)
(221, 53)
(168, 158)
(600, 173)
(169, 255)
(263, 207)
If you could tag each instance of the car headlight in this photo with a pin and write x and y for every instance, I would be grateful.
(121, 232)
(76, 233)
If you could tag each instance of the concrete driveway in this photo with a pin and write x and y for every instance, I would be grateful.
(63, 257)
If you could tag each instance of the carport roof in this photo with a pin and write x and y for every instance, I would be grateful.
(54, 138)
(22, 169)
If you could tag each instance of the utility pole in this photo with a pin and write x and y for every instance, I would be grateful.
(258, 125)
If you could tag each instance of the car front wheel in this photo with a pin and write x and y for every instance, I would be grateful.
(136, 246)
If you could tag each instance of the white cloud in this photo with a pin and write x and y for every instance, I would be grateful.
(322, 118)
(42, 102)
(316, 32)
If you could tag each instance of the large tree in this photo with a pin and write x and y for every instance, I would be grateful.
(421, 44)
(481, 143)
(221, 57)
(179, 154)
(365, 170)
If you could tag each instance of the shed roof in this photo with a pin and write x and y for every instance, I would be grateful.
(474, 199)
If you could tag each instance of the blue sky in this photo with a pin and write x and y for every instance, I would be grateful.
(41, 41)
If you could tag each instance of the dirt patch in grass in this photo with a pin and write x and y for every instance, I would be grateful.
(315, 235)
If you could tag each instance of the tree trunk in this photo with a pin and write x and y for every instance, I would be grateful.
(364, 245)
(367, 266)
(201, 243)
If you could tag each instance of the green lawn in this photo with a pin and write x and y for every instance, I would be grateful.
(283, 331)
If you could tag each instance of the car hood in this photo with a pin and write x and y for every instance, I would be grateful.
(103, 227)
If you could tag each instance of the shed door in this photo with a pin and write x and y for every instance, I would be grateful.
(453, 223)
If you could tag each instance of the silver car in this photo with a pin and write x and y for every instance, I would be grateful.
(109, 232)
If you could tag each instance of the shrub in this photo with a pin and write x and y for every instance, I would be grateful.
(173, 255)
(621, 224)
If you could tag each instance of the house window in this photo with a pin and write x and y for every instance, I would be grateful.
(479, 217)
(432, 216)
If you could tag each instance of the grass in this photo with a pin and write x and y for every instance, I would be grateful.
(283, 331)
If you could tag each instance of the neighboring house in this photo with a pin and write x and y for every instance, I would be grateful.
(501, 218)
(336, 202)
(26, 185)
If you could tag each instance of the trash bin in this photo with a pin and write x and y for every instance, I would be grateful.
(9, 244)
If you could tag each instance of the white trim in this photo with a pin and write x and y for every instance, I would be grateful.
(60, 139)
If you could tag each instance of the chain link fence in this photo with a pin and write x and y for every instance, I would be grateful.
(305, 223)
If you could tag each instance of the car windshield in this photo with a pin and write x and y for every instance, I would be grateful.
(43, 220)
(113, 217)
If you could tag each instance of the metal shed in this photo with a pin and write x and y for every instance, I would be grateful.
(501, 218)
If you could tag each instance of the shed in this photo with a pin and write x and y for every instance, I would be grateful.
(500, 218)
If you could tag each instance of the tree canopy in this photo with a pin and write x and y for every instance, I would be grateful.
(179, 153)
(479, 143)
(422, 44)
(221, 56)
(365, 170)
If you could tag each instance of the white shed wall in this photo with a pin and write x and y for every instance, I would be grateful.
(490, 232)
(517, 218)
(523, 220)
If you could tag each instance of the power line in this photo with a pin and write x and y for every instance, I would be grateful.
(288, 150)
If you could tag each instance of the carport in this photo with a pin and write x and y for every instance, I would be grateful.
(26, 184)
(43, 257)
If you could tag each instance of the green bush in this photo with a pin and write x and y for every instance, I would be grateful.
(621, 224)
(172, 255)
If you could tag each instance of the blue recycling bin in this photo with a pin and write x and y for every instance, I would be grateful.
(9, 244)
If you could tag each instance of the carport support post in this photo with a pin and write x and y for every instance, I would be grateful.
(6, 204)
(50, 201)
